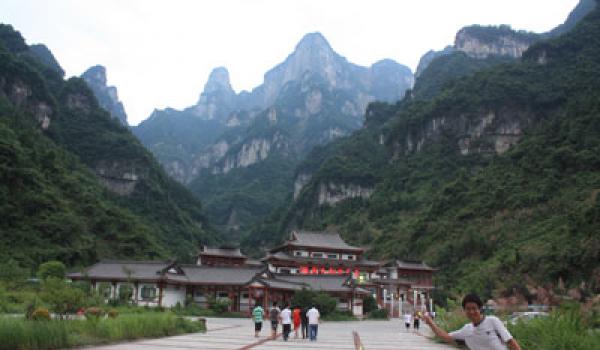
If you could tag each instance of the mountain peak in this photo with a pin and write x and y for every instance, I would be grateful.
(218, 80)
(313, 41)
(95, 75)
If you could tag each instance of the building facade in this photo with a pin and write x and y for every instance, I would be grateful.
(316, 261)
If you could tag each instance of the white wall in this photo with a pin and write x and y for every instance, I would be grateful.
(172, 294)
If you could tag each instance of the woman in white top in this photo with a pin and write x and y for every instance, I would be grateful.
(483, 333)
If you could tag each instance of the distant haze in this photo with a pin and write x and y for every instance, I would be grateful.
(160, 53)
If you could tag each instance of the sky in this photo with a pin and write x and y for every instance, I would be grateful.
(160, 53)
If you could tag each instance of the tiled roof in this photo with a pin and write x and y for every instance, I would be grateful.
(253, 262)
(125, 270)
(146, 271)
(321, 261)
(281, 284)
(226, 252)
(320, 282)
(237, 275)
(413, 265)
(320, 240)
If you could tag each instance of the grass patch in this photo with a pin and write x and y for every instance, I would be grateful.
(562, 330)
(21, 334)
(195, 310)
(340, 316)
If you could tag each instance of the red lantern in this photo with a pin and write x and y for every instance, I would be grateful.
(304, 270)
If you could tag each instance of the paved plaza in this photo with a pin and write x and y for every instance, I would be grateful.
(238, 333)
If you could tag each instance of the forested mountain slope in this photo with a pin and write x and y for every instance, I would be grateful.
(76, 185)
(494, 179)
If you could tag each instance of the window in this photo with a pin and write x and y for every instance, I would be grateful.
(332, 256)
(148, 292)
(105, 289)
(317, 255)
(245, 295)
(222, 295)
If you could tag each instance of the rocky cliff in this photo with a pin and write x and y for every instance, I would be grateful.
(302, 86)
(107, 96)
(312, 98)
(482, 42)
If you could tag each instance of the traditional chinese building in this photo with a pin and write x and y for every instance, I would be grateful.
(316, 261)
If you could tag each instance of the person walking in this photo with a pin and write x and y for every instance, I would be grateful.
(407, 321)
(274, 317)
(313, 316)
(286, 321)
(257, 314)
(482, 333)
(304, 322)
(296, 318)
(417, 321)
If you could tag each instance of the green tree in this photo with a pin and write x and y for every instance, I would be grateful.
(61, 297)
(54, 269)
(369, 304)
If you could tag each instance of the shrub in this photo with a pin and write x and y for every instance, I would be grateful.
(219, 305)
(113, 313)
(94, 313)
(307, 298)
(369, 304)
(31, 306)
(325, 303)
(340, 316)
(379, 314)
(304, 298)
(40, 314)
(562, 330)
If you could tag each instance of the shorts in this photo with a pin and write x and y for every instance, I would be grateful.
(258, 326)
(274, 325)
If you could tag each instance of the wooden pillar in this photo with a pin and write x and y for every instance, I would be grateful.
(114, 294)
(266, 300)
(378, 297)
(351, 301)
(136, 291)
(160, 293)
(231, 296)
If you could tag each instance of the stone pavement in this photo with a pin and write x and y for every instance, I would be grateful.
(238, 333)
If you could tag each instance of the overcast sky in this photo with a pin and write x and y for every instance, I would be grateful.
(159, 53)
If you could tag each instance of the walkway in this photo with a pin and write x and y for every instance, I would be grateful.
(238, 333)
